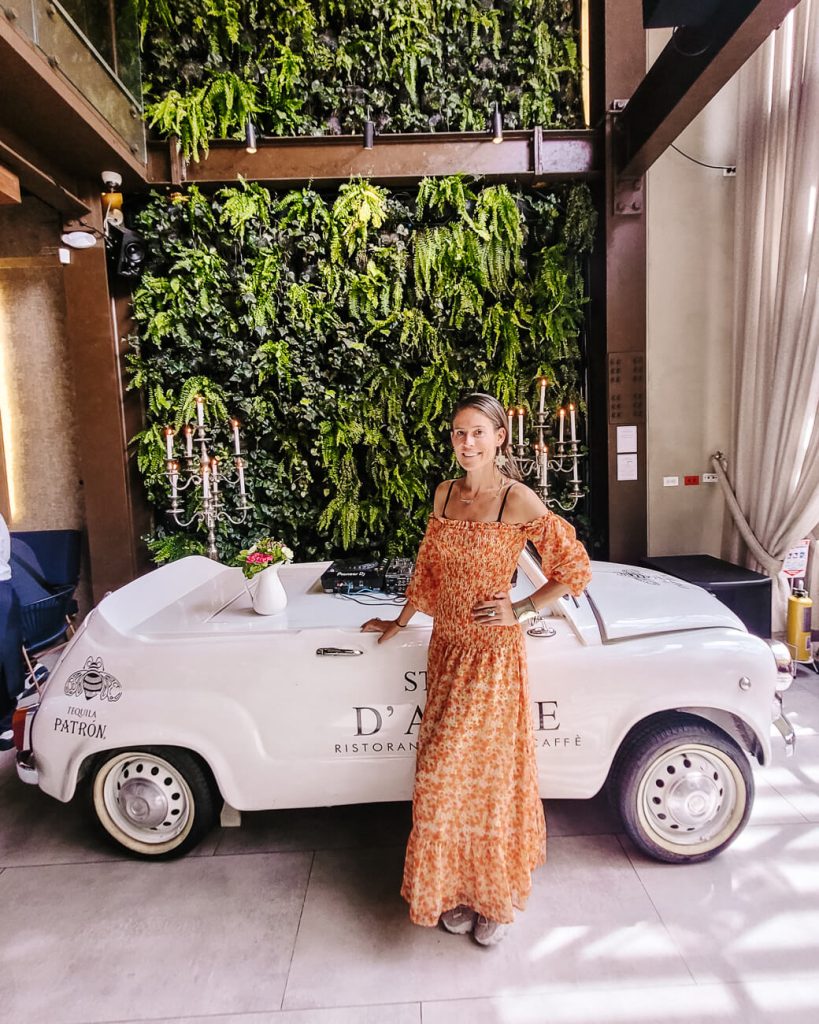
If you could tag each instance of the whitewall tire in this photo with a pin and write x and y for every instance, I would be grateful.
(684, 788)
(155, 802)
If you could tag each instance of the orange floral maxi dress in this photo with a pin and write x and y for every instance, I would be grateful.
(478, 825)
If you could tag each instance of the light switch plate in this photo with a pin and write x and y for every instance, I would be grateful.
(671, 481)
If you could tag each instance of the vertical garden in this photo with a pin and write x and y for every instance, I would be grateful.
(341, 327)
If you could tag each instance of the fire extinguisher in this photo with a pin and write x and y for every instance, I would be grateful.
(799, 611)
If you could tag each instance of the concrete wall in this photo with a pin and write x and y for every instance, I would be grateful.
(690, 266)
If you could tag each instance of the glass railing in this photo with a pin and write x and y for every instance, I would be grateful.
(95, 44)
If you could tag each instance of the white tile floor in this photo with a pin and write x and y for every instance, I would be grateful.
(296, 919)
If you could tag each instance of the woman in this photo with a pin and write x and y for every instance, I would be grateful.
(478, 825)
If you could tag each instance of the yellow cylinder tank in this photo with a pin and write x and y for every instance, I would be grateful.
(799, 613)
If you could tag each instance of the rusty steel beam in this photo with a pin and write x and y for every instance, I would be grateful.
(40, 104)
(526, 156)
(688, 73)
(9, 186)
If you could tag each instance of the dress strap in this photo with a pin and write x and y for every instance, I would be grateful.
(503, 503)
(443, 510)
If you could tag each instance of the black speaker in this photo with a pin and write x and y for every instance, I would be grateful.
(670, 13)
(127, 251)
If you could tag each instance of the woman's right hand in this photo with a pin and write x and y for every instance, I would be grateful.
(386, 627)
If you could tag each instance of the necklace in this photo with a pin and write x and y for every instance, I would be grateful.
(468, 501)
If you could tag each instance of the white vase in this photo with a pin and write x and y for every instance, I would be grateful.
(268, 593)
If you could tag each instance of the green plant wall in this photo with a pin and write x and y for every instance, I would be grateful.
(307, 67)
(340, 329)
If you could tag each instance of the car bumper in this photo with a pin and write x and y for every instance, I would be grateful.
(786, 731)
(27, 769)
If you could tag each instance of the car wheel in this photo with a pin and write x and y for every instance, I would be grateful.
(157, 803)
(683, 788)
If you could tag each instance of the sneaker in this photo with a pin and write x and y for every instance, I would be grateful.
(6, 740)
(489, 933)
(459, 920)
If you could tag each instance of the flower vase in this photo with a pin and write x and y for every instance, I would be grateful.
(268, 593)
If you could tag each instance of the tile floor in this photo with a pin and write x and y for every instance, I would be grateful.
(296, 919)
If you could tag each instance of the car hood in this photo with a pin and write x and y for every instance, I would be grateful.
(630, 602)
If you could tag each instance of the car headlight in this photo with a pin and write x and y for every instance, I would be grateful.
(785, 667)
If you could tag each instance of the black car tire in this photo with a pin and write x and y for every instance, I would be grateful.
(683, 788)
(156, 802)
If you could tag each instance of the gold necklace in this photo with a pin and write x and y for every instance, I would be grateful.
(468, 501)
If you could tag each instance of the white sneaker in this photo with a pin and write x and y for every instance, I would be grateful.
(489, 933)
(459, 920)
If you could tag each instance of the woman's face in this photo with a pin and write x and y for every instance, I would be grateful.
(475, 439)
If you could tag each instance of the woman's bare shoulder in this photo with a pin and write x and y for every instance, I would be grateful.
(523, 504)
(441, 491)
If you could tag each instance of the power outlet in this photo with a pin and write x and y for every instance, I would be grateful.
(671, 481)
(709, 478)
(729, 172)
(691, 481)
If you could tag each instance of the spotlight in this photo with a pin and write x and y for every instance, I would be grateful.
(111, 199)
(497, 125)
(369, 132)
(250, 136)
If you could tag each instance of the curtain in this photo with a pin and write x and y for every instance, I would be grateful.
(774, 468)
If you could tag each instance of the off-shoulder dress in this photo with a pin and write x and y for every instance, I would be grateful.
(478, 823)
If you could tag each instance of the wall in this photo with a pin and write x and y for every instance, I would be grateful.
(36, 391)
(690, 268)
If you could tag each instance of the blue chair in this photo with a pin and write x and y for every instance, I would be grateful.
(44, 574)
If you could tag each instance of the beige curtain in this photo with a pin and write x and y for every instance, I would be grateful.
(773, 465)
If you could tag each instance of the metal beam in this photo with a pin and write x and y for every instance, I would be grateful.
(688, 73)
(9, 187)
(39, 103)
(526, 156)
(34, 176)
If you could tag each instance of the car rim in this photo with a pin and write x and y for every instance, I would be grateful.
(691, 796)
(147, 799)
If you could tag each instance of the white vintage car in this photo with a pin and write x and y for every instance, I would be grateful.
(175, 700)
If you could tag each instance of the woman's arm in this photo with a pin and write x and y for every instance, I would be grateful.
(391, 627)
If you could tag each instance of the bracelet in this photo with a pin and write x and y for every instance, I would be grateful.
(401, 625)
(525, 610)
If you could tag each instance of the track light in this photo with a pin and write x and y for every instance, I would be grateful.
(250, 136)
(497, 125)
(369, 132)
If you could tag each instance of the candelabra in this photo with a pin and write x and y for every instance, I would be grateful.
(533, 458)
(198, 471)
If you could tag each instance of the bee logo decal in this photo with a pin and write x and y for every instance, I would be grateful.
(93, 681)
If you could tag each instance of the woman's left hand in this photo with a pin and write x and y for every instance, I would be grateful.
(495, 611)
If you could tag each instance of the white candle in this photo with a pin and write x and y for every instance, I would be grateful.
(510, 414)
(542, 394)
(240, 467)
(235, 424)
(575, 477)
(562, 424)
(168, 432)
(174, 471)
(187, 430)
(572, 423)
(214, 472)
(521, 411)
(200, 410)
(205, 471)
